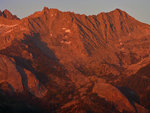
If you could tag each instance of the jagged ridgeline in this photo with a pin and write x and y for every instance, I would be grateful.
(62, 62)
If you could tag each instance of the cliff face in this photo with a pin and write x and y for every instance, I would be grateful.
(71, 62)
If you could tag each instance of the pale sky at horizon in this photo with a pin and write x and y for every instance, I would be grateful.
(139, 9)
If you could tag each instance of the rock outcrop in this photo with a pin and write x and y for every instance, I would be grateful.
(7, 14)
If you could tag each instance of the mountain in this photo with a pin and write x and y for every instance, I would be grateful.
(7, 14)
(53, 61)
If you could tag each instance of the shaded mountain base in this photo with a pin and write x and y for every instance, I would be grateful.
(25, 104)
(19, 103)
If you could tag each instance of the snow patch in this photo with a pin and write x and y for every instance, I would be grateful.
(66, 42)
(23, 29)
(69, 42)
(67, 30)
(51, 34)
(63, 28)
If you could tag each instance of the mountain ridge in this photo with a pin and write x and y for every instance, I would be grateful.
(7, 14)
(80, 59)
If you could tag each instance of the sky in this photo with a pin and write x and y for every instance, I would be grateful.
(138, 9)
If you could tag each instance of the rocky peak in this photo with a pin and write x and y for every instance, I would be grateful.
(45, 9)
(121, 13)
(118, 10)
(7, 14)
(1, 13)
